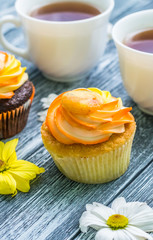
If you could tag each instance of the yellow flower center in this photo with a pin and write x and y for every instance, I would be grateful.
(2, 166)
(117, 221)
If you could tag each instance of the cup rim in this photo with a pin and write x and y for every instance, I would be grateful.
(106, 12)
(123, 20)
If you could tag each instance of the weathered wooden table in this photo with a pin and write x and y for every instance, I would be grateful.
(52, 208)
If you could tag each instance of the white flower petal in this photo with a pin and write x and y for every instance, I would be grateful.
(118, 203)
(42, 113)
(145, 224)
(121, 235)
(143, 219)
(131, 236)
(48, 100)
(102, 211)
(89, 220)
(89, 207)
(138, 233)
(42, 116)
(131, 209)
(134, 208)
(99, 205)
(105, 234)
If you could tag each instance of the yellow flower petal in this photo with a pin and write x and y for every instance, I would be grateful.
(8, 149)
(21, 183)
(12, 159)
(15, 174)
(1, 149)
(7, 183)
(23, 171)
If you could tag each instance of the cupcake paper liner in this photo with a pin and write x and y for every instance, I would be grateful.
(102, 168)
(13, 122)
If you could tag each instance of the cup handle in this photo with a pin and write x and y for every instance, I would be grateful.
(18, 51)
(109, 31)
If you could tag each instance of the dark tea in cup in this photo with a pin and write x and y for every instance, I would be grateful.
(65, 11)
(140, 40)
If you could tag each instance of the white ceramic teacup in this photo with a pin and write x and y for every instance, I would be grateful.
(63, 51)
(136, 66)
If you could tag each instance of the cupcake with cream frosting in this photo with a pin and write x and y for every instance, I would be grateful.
(89, 134)
(16, 95)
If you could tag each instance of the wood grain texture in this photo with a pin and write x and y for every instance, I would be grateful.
(52, 208)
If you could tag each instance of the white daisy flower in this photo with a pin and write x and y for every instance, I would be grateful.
(123, 221)
(48, 100)
(46, 103)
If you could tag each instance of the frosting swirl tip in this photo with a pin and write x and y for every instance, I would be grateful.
(87, 116)
(12, 75)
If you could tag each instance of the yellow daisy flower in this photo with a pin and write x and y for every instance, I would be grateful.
(15, 174)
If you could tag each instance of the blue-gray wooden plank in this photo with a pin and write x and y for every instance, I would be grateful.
(52, 208)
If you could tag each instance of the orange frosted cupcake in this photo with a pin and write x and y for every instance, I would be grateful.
(89, 134)
(16, 95)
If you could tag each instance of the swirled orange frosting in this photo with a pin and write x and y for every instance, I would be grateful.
(87, 116)
(12, 75)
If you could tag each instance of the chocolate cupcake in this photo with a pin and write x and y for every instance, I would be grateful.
(16, 95)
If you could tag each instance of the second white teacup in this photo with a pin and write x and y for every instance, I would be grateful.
(136, 66)
(63, 51)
